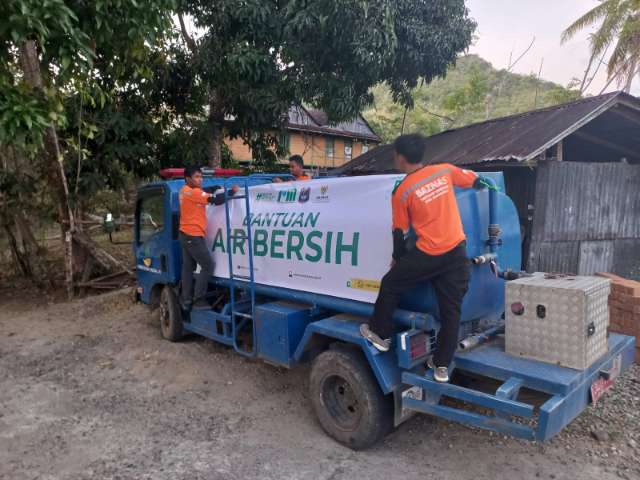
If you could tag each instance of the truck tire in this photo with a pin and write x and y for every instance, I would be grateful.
(347, 399)
(170, 315)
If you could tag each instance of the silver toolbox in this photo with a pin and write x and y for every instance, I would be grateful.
(558, 319)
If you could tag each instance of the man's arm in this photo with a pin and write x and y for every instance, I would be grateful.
(463, 178)
(400, 227)
(467, 179)
(219, 198)
(196, 195)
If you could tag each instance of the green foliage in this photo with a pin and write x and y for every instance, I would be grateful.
(95, 62)
(618, 25)
(256, 58)
(470, 90)
(470, 96)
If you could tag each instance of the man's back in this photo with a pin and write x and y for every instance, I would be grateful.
(426, 200)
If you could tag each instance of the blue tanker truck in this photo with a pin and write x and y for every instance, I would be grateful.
(358, 393)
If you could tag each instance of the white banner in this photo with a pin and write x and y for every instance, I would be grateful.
(329, 236)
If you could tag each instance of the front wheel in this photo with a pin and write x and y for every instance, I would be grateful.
(170, 315)
(347, 399)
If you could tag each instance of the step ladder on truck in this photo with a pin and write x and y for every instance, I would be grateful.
(358, 393)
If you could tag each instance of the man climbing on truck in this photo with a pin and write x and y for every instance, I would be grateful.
(296, 169)
(425, 202)
(193, 226)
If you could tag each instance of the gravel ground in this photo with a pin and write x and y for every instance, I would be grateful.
(88, 389)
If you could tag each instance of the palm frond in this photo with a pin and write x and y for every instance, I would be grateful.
(608, 8)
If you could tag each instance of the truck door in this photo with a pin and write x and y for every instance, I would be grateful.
(152, 237)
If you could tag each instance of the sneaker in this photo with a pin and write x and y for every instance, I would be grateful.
(381, 344)
(441, 374)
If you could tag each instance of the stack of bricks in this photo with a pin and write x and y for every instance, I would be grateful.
(624, 307)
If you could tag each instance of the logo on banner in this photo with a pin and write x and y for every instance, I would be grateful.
(265, 197)
(323, 195)
(364, 284)
(304, 195)
(287, 196)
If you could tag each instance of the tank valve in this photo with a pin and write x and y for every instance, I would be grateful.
(481, 259)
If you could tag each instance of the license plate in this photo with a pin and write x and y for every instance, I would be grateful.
(602, 384)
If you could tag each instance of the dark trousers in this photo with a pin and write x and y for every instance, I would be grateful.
(194, 252)
(448, 273)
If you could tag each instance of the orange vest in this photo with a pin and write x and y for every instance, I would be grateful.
(425, 200)
(193, 205)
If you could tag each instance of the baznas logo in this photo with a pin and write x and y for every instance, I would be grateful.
(304, 195)
(324, 189)
(147, 262)
(287, 196)
(265, 197)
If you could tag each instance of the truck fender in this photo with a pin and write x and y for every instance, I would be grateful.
(319, 335)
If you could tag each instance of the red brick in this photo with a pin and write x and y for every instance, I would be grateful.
(627, 289)
(628, 301)
(620, 306)
(610, 276)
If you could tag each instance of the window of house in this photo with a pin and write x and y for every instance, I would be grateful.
(329, 147)
(365, 147)
(348, 149)
(285, 142)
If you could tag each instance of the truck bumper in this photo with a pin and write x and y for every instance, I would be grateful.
(564, 392)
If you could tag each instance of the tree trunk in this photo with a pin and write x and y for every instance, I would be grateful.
(215, 150)
(23, 226)
(20, 261)
(102, 259)
(30, 64)
(215, 123)
(77, 245)
(632, 74)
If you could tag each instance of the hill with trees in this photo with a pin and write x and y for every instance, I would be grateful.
(472, 91)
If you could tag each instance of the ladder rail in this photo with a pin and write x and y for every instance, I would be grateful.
(250, 279)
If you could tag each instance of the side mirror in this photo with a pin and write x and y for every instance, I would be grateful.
(108, 224)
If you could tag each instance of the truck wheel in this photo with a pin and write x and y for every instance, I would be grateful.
(347, 399)
(170, 315)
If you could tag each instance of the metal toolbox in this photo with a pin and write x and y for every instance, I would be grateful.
(558, 319)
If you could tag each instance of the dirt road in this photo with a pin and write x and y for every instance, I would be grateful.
(88, 389)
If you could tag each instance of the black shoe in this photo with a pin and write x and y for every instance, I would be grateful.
(185, 306)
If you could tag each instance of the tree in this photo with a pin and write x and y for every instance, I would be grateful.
(256, 58)
(50, 51)
(462, 98)
(619, 25)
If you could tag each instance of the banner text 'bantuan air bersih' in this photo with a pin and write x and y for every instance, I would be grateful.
(329, 236)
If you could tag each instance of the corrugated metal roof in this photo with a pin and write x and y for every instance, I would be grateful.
(516, 137)
(306, 120)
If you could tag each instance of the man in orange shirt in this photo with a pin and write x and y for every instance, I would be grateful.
(425, 201)
(296, 169)
(193, 227)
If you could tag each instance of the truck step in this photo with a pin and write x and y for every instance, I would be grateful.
(498, 403)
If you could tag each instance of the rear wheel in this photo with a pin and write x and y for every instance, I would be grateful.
(170, 315)
(347, 399)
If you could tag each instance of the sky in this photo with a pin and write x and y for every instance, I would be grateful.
(510, 25)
